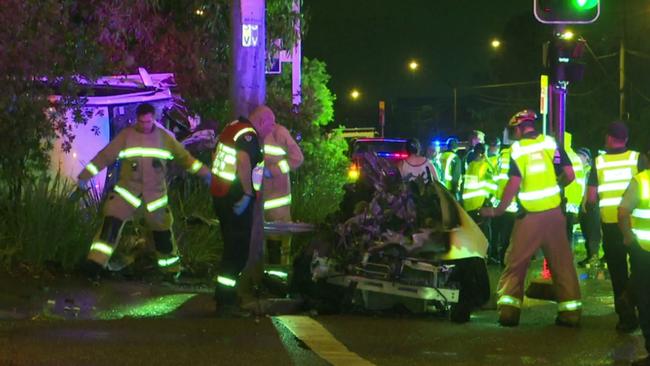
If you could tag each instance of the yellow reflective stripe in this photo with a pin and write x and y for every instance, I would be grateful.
(479, 193)
(229, 282)
(277, 202)
(645, 186)
(227, 176)
(284, 166)
(491, 186)
(518, 150)
(642, 234)
(92, 169)
(244, 131)
(501, 177)
(274, 150)
(609, 202)
(145, 152)
(572, 305)
(166, 262)
(601, 162)
(540, 194)
(128, 196)
(617, 175)
(612, 187)
(276, 273)
(510, 301)
(154, 205)
(641, 213)
(196, 166)
(228, 149)
(101, 247)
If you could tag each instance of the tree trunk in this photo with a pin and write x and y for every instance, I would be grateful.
(248, 61)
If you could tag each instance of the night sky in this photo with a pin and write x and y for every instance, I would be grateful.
(367, 44)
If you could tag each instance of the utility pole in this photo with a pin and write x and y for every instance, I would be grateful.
(248, 61)
(621, 66)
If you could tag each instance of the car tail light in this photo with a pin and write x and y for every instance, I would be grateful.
(354, 172)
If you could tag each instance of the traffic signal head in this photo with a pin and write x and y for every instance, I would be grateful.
(566, 11)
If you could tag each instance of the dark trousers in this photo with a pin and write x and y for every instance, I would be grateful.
(590, 227)
(616, 256)
(484, 223)
(236, 234)
(640, 261)
(501, 230)
(571, 220)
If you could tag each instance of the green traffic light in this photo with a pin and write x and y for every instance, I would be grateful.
(585, 4)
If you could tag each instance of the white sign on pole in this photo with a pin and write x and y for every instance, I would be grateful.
(250, 35)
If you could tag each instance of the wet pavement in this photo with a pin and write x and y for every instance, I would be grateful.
(70, 321)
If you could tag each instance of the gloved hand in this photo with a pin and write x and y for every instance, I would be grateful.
(241, 205)
(207, 179)
(83, 184)
(267, 173)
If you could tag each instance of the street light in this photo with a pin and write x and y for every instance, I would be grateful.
(413, 65)
(495, 43)
(355, 94)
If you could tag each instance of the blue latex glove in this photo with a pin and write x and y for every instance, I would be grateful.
(207, 179)
(241, 205)
(267, 173)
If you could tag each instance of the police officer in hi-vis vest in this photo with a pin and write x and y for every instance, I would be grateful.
(612, 173)
(634, 222)
(538, 168)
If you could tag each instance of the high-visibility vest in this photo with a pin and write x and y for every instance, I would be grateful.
(501, 180)
(447, 162)
(224, 166)
(641, 214)
(478, 184)
(615, 171)
(575, 191)
(539, 190)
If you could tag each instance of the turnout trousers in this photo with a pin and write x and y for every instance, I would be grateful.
(116, 212)
(236, 233)
(531, 232)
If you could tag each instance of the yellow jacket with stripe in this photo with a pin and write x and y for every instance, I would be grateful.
(143, 161)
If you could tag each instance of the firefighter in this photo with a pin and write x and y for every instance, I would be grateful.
(237, 176)
(537, 170)
(634, 223)
(612, 174)
(281, 155)
(478, 189)
(144, 151)
(451, 166)
(575, 191)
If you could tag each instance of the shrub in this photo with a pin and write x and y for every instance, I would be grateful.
(45, 225)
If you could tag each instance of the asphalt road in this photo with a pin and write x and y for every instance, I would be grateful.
(186, 332)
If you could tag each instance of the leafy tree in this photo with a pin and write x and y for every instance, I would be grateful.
(45, 50)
